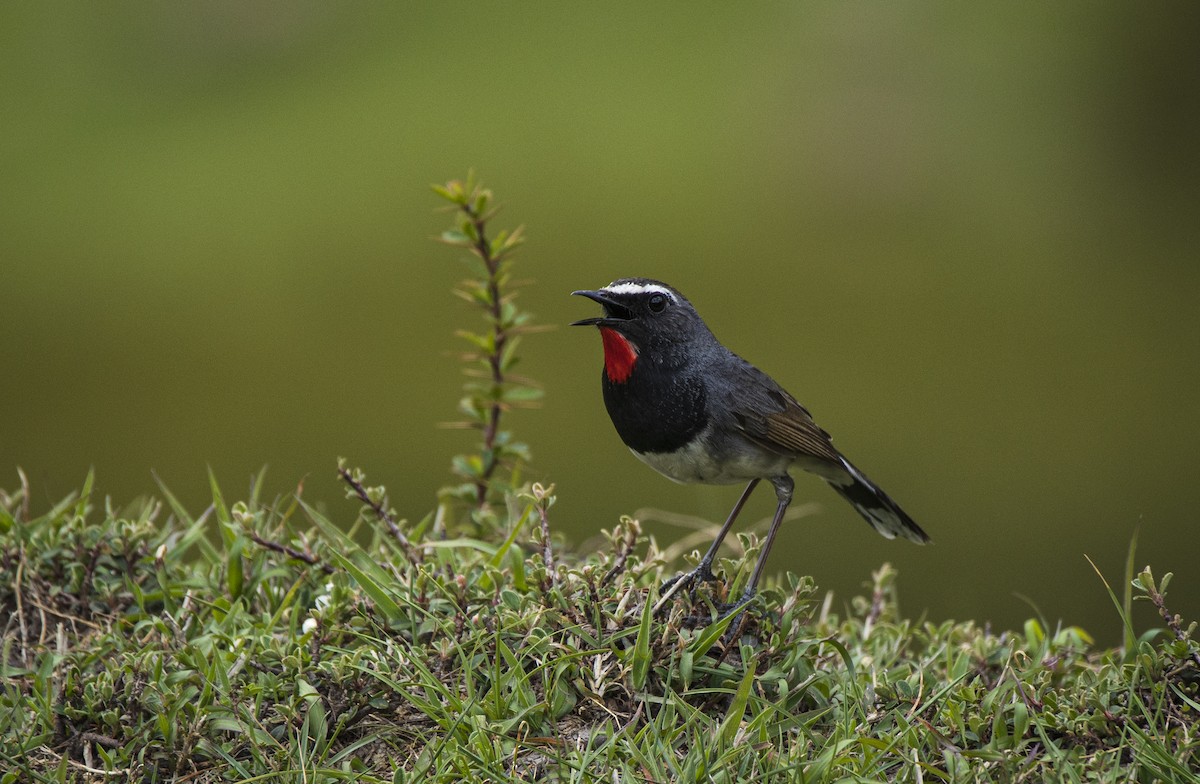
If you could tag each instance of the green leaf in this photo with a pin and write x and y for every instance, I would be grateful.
(235, 578)
(219, 506)
(518, 394)
(501, 551)
(373, 587)
(196, 528)
(368, 574)
(641, 647)
(461, 543)
(1129, 636)
(85, 494)
(708, 638)
(516, 561)
(316, 726)
(1128, 597)
(485, 343)
(737, 708)
(1020, 719)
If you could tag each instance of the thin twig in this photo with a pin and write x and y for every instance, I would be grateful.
(877, 602)
(101, 740)
(624, 550)
(382, 514)
(24, 513)
(547, 548)
(17, 590)
(291, 552)
(1172, 620)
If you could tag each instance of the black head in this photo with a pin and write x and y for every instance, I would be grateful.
(648, 312)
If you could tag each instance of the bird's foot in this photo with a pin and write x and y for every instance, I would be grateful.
(689, 580)
(736, 612)
(701, 574)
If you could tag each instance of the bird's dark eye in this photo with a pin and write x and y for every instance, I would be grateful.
(658, 302)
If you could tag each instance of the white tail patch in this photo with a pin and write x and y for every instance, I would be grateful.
(854, 472)
(880, 511)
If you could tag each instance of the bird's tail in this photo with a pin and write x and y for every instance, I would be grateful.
(883, 514)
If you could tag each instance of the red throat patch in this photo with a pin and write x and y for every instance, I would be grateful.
(619, 355)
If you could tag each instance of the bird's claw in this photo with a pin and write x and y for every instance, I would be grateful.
(689, 580)
(735, 612)
(701, 574)
(734, 607)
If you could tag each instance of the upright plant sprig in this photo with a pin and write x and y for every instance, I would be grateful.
(493, 388)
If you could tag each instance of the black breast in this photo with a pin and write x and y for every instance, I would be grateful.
(656, 412)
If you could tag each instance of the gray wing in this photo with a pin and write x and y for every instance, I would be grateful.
(768, 416)
(772, 418)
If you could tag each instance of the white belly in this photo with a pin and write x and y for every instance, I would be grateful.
(693, 464)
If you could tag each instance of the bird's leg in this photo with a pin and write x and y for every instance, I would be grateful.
(783, 491)
(703, 571)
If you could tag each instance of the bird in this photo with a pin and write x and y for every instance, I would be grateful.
(696, 412)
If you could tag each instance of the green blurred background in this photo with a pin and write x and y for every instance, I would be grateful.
(966, 238)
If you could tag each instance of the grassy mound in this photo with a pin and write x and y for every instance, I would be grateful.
(138, 648)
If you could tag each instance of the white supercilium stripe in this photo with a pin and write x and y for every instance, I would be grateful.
(638, 288)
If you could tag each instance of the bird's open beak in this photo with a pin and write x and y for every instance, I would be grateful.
(614, 312)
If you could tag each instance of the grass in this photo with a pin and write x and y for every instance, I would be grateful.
(302, 645)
